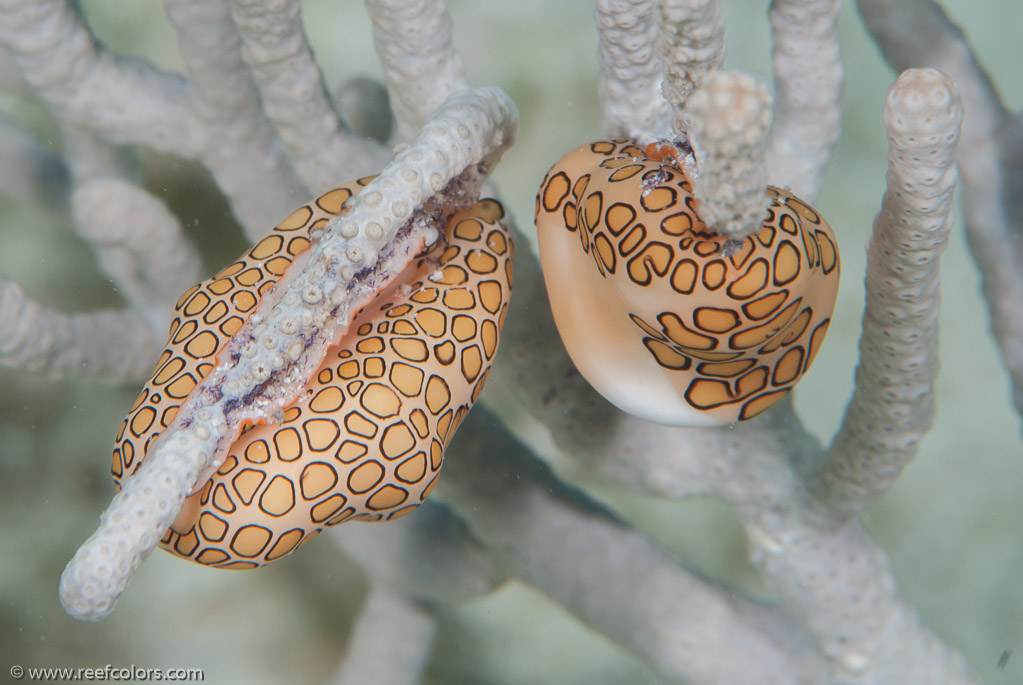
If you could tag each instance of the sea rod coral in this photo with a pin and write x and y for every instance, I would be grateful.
(252, 108)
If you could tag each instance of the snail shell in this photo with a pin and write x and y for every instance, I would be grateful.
(665, 318)
(366, 440)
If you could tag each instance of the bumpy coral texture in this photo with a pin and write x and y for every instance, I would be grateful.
(733, 323)
(366, 441)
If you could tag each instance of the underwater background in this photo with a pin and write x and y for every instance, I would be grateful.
(951, 525)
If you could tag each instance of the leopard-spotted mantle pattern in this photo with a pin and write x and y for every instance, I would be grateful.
(366, 441)
(634, 277)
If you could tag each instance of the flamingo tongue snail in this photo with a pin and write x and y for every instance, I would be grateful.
(665, 318)
(366, 438)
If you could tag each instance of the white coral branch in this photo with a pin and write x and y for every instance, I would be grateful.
(391, 641)
(544, 532)
(839, 585)
(108, 345)
(421, 65)
(630, 71)
(138, 242)
(431, 557)
(917, 33)
(832, 580)
(728, 118)
(691, 46)
(129, 101)
(808, 75)
(254, 174)
(125, 100)
(88, 157)
(893, 403)
(295, 99)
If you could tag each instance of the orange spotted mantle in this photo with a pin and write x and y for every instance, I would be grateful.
(366, 441)
(666, 319)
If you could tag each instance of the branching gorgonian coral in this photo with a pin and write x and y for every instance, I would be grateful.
(253, 109)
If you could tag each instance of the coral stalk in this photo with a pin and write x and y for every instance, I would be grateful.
(421, 65)
(294, 98)
(917, 33)
(431, 557)
(255, 176)
(124, 100)
(728, 119)
(808, 77)
(138, 242)
(893, 403)
(391, 641)
(691, 46)
(114, 346)
(545, 532)
(630, 72)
